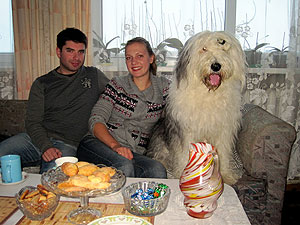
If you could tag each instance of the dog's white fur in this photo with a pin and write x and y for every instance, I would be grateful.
(197, 111)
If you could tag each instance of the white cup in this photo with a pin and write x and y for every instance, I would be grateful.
(61, 160)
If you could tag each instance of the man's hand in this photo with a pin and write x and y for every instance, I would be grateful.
(51, 153)
(123, 151)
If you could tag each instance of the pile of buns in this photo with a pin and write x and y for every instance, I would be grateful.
(85, 176)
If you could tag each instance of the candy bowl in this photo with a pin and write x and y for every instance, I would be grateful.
(146, 198)
(36, 203)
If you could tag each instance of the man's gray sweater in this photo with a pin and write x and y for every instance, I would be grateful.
(59, 106)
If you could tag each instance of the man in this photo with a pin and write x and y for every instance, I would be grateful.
(59, 105)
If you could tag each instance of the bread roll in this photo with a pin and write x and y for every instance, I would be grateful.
(70, 169)
(87, 170)
(83, 181)
(81, 163)
(100, 177)
(108, 170)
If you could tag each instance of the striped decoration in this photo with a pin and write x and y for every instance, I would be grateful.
(201, 182)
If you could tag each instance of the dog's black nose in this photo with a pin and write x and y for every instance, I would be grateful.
(215, 67)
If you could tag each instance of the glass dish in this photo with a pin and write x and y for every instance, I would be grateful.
(141, 207)
(84, 214)
(36, 210)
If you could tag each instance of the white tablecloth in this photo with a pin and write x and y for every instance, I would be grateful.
(229, 211)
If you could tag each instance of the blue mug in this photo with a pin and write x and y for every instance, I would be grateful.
(11, 171)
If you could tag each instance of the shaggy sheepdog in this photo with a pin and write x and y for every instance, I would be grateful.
(203, 104)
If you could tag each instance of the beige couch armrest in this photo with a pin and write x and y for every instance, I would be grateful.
(264, 142)
(264, 145)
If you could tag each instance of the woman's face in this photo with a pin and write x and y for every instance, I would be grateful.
(138, 59)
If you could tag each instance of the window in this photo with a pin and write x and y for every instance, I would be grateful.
(6, 35)
(7, 79)
(256, 23)
(264, 21)
(6, 31)
(157, 20)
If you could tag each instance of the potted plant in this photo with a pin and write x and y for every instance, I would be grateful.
(161, 50)
(279, 56)
(253, 56)
(101, 50)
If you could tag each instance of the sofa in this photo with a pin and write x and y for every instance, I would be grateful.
(264, 144)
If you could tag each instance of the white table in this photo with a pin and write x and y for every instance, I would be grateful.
(229, 211)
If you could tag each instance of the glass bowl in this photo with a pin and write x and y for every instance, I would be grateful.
(83, 214)
(53, 177)
(34, 208)
(140, 207)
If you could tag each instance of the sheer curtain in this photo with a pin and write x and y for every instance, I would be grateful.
(166, 24)
(273, 82)
(273, 78)
(7, 70)
(290, 102)
(36, 24)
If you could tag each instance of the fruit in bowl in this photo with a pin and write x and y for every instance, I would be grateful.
(146, 198)
(36, 203)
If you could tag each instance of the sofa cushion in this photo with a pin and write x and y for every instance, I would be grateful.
(12, 116)
(253, 196)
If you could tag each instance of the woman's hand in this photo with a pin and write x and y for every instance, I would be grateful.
(102, 133)
(123, 151)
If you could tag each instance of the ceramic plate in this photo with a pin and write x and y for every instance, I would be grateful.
(121, 220)
(24, 174)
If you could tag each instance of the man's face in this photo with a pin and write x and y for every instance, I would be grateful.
(71, 57)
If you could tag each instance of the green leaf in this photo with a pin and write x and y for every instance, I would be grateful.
(260, 46)
(111, 40)
(161, 46)
(174, 43)
(114, 50)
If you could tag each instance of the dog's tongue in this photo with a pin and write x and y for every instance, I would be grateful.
(214, 79)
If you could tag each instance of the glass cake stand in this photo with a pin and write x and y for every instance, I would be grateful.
(84, 214)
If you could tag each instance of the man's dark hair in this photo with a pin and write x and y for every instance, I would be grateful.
(70, 34)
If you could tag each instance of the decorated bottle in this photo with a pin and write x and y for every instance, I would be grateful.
(201, 182)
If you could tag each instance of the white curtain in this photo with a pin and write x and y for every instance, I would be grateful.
(275, 84)
(273, 79)
(7, 63)
(292, 113)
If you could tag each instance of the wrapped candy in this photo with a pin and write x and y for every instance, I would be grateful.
(151, 193)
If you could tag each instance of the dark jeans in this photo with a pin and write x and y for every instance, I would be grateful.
(22, 145)
(92, 150)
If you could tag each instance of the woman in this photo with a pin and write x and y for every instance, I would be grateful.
(122, 119)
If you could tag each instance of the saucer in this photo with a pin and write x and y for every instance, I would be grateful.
(120, 219)
(24, 175)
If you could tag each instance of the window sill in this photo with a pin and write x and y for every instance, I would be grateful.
(168, 69)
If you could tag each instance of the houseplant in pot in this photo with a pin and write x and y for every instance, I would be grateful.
(253, 56)
(101, 50)
(162, 49)
(279, 55)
